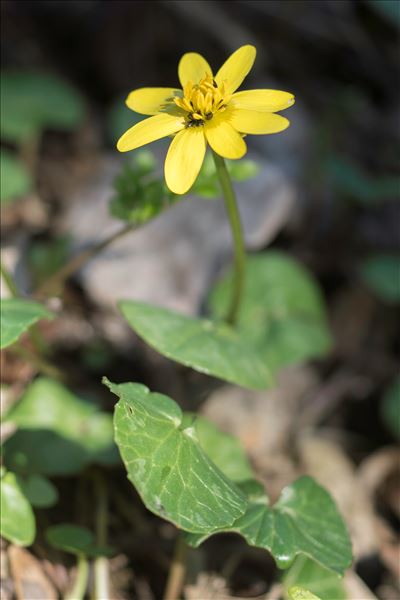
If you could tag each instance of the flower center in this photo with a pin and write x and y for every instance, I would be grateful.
(202, 101)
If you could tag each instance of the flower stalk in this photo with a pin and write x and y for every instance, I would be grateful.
(237, 235)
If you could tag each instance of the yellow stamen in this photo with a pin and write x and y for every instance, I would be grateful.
(203, 100)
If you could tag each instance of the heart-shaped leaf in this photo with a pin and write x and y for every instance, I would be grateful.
(167, 465)
(305, 520)
(17, 521)
(16, 316)
(307, 575)
(207, 346)
(58, 433)
(281, 312)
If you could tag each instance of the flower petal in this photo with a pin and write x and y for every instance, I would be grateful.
(150, 101)
(184, 159)
(235, 69)
(193, 67)
(256, 122)
(267, 100)
(149, 130)
(224, 139)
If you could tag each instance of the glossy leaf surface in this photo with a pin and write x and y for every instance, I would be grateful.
(222, 448)
(166, 464)
(282, 311)
(305, 520)
(206, 346)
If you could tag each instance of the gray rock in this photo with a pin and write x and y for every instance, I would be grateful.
(172, 260)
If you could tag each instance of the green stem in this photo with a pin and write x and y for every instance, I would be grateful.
(82, 575)
(56, 281)
(176, 576)
(10, 283)
(237, 234)
(101, 567)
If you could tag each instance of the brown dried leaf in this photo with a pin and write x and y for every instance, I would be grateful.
(29, 579)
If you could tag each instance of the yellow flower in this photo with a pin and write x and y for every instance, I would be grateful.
(207, 110)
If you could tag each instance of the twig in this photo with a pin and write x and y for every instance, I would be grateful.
(56, 281)
(177, 571)
(330, 395)
(37, 361)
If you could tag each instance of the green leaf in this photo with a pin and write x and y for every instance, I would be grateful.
(241, 170)
(46, 257)
(58, 433)
(32, 102)
(41, 451)
(140, 193)
(76, 540)
(389, 9)
(15, 181)
(16, 316)
(207, 184)
(206, 346)
(305, 520)
(306, 573)
(40, 492)
(167, 465)
(282, 311)
(352, 181)
(17, 521)
(121, 118)
(70, 538)
(300, 593)
(391, 408)
(381, 273)
(222, 448)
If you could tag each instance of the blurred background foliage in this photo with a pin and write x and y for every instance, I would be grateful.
(66, 67)
(339, 58)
